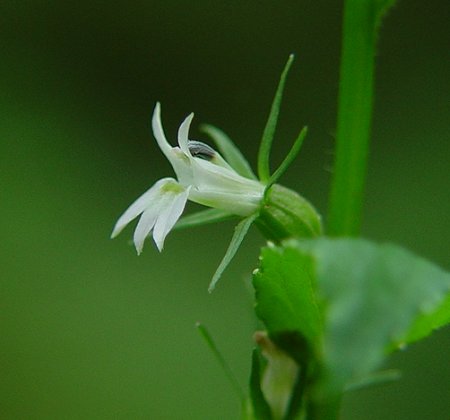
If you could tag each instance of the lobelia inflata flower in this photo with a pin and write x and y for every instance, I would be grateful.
(203, 177)
(225, 184)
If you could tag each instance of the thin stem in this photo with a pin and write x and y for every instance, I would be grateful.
(354, 116)
(226, 368)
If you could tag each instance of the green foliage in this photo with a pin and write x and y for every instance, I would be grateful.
(351, 299)
(293, 153)
(269, 130)
(240, 231)
(428, 322)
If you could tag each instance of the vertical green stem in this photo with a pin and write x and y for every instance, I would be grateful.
(354, 116)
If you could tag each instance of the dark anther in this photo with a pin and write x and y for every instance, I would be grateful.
(201, 150)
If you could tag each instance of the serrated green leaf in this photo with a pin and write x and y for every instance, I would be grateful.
(269, 129)
(229, 151)
(203, 217)
(426, 323)
(239, 234)
(285, 294)
(368, 296)
(286, 214)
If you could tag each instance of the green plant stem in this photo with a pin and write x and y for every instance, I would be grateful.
(226, 368)
(354, 116)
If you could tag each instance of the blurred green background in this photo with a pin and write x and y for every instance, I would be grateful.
(91, 331)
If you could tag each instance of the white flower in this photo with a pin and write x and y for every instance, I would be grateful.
(203, 177)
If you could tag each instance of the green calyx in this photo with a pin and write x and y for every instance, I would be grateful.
(286, 214)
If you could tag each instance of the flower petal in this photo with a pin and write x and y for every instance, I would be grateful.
(210, 176)
(183, 134)
(169, 216)
(238, 203)
(176, 157)
(222, 188)
(158, 132)
(167, 193)
(144, 227)
(143, 202)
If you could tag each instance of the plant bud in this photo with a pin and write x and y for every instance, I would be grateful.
(286, 214)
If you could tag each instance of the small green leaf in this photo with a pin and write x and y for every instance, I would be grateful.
(293, 153)
(203, 217)
(285, 295)
(261, 409)
(353, 300)
(239, 234)
(229, 151)
(222, 362)
(269, 130)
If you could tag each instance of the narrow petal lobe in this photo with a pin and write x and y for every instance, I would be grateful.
(144, 227)
(158, 132)
(169, 216)
(183, 134)
(143, 202)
